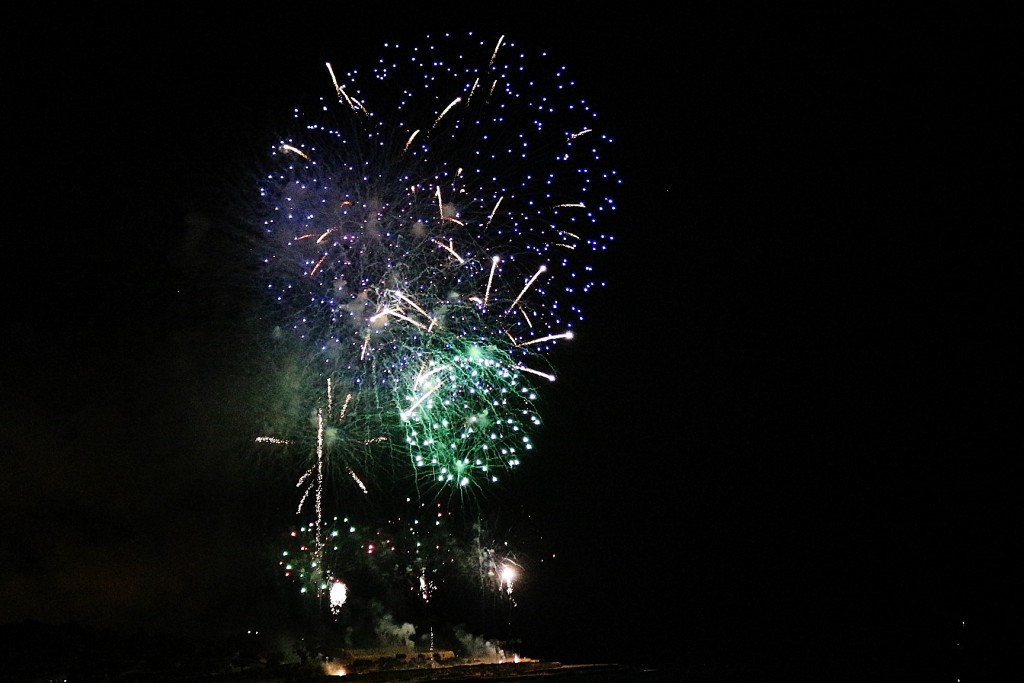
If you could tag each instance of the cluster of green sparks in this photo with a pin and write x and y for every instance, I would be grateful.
(425, 228)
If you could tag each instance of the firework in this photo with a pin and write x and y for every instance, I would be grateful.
(430, 226)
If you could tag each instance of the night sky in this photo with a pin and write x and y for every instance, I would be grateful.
(779, 433)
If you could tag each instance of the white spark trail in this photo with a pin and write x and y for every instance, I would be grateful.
(526, 287)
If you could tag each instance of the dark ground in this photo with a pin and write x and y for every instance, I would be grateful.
(38, 652)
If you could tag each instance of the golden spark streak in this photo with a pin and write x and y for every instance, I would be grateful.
(495, 53)
(355, 105)
(344, 407)
(321, 238)
(550, 378)
(318, 264)
(440, 208)
(446, 109)
(450, 249)
(295, 150)
(529, 323)
(302, 501)
(422, 376)
(424, 397)
(409, 141)
(527, 286)
(366, 345)
(564, 335)
(490, 278)
(578, 205)
(271, 439)
(319, 483)
(412, 303)
(582, 132)
(395, 314)
(494, 211)
(358, 480)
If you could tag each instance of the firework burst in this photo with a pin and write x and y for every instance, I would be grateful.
(428, 228)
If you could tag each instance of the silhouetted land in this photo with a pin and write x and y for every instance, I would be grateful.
(33, 651)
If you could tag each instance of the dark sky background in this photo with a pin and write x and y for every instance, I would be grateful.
(781, 432)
